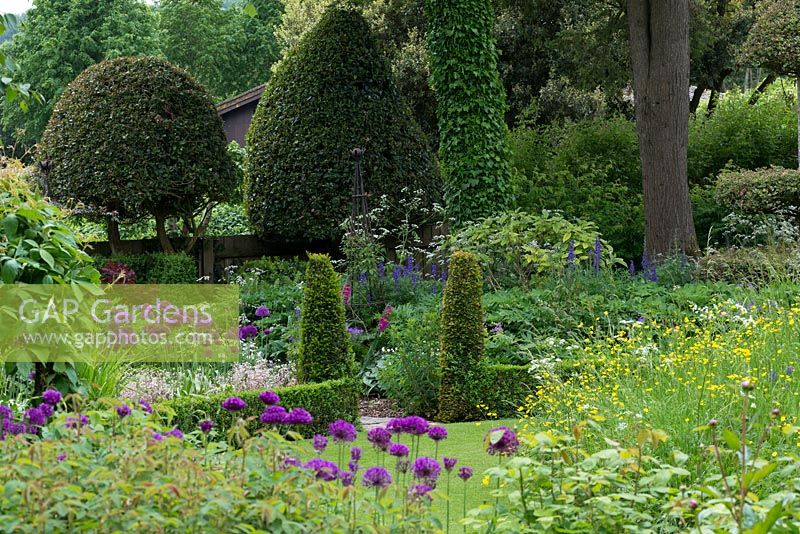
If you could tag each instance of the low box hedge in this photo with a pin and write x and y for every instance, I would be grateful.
(504, 388)
(326, 401)
(156, 268)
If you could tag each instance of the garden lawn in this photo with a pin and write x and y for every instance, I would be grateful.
(464, 442)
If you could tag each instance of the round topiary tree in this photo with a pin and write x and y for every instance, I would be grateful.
(325, 351)
(463, 339)
(135, 136)
(333, 92)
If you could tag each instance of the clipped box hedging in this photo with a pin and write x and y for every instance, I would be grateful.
(157, 268)
(326, 401)
(503, 388)
(770, 190)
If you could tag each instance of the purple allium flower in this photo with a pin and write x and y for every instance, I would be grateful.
(206, 425)
(234, 404)
(123, 410)
(175, 433)
(380, 438)
(341, 430)
(437, 433)
(145, 406)
(352, 465)
(299, 416)
(449, 463)
(323, 469)
(73, 422)
(426, 468)
(418, 492)
(266, 331)
(290, 461)
(269, 397)
(35, 416)
(157, 436)
(398, 449)
(347, 478)
(248, 331)
(6, 414)
(46, 409)
(274, 415)
(319, 443)
(51, 397)
(262, 311)
(355, 453)
(414, 425)
(501, 440)
(376, 477)
(465, 473)
(61, 457)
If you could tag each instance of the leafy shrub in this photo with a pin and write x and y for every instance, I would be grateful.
(514, 245)
(758, 266)
(325, 351)
(299, 172)
(473, 145)
(327, 401)
(117, 273)
(771, 190)
(228, 219)
(463, 335)
(501, 389)
(161, 140)
(743, 136)
(157, 268)
(708, 214)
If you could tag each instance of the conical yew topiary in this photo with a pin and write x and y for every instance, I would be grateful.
(332, 93)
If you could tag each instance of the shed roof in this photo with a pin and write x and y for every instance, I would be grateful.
(251, 95)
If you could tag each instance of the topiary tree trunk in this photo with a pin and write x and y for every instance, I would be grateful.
(463, 337)
(325, 351)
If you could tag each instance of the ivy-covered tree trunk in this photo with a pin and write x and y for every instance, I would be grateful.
(659, 38)
(473, 150)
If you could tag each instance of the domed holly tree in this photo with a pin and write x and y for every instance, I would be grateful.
(332, 93)
(137, 136)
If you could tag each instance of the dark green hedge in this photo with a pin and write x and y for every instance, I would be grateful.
(770, 190)
(333, 92)
(326, 401)
(157, 268)
(137, 135)
(325, 349)
(463, 339)
(503, 388)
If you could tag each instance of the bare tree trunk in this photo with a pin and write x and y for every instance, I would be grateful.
(114, 241)
(713, 98)
(696, 97)
(161, 232)
(762, 87)
(659, 38)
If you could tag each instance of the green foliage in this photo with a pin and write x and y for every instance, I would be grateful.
(299, 172)
(501, 389)
(741, 135)
(87, 32)
(326, 401)
(772, 190)
(157, 268)
(774, 40)
(463, 338)
(162, 141)
(514, 246)
(473, 146)
(757, 266)
(325, 351)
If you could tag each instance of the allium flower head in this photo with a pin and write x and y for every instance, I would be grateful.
(206, 425)
(355, 454)
(290, 461)
(175, 433)
(419, 492)
(248, 331)
(319, 443)
(376, 477)
(73, 422)
(398, 449)
(413, 424)
(123, 410)
(35, 417)
(426, 468)
(274, 415)
(449, 463)
(46, 409)
(157, 436)
(501, 440)
(299, 416)
(347, 478)
(465, 473)
(379, 437)
(51, 397)
(145, 406)
(269, 397)
(323, 469)
(352, 465)
(437, 433)
(262, 311)
(341, 430)
(234, 404)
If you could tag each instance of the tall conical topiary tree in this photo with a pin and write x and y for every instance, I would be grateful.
(325, 351)
(333, 92)
(463, 338)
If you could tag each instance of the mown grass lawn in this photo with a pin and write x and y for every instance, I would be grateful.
(464, 442)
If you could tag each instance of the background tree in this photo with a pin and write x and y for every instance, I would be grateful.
(774, 42)
(659, 44)
(473, 147)
(60, 39)
(138, 136)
